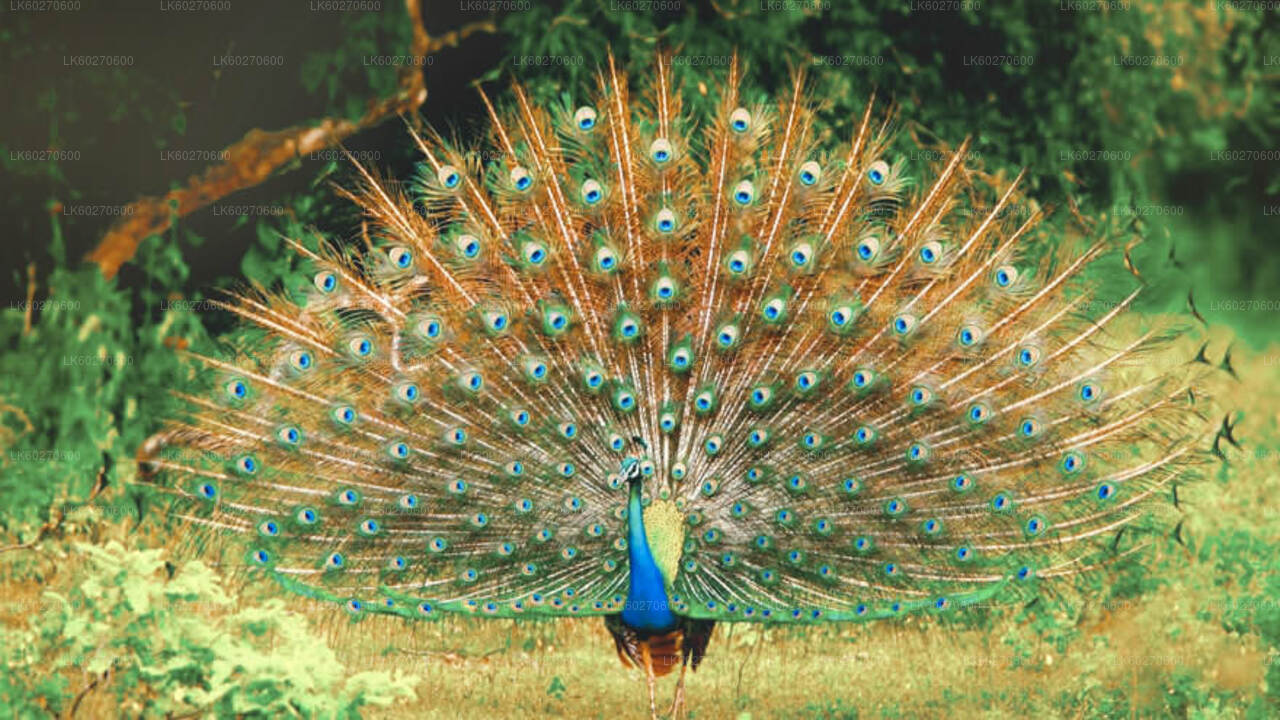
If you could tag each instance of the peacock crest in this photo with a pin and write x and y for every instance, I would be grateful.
(678, 370)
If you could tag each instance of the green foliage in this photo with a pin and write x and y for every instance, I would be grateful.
(167, 643)
(81, 388)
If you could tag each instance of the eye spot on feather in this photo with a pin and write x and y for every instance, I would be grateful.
(1002, 502)
(1004, 276)
(1072, 462)
(1030, 428)
(468, 246)
(660, 151)
(744, 193)
(592, 192)
(810, 173)
(979, 413)
(246, 465)
(895, 507)
(326, 281)
(903, 324)
(400, 257)
(1089, 392)
(862, 378)
(712, 445)
(868, 249)
(1035, 526)
(585, 118)
(521, 180)
(448, 176)
(665, 221)
(878, 173)
(930, 253)
(969, 336)
(343, 415)
(740, 120)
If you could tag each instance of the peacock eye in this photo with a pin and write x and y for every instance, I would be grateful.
(300, 360)
(806, 380)
(496, 321)
(761, 396)
(1028, 356)
(535, 253)
(360, 346)
(592, 192)
(1005, 275)
(740, 120)
(289, 435)
(521, 179)
(930, 252)
(773, 310)
(878, 173)
(801, 254)
(606, 259)
(585, 118)
(903, 324)
(868, 248)
(326, 281)
(979, 413)
(468, 245)
(727, 337)
(430, 328)
(661, 151)
(471, 381)
(810, 173)
(448, 176)
(400, 257)
(738, 262)
(921, 395)
(840, 317)
(744, 193)
(969, 336)
(664, 288)
(862, 378)
(665, 221)
(407, 392)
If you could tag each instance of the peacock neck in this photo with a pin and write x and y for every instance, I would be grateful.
(647, 607)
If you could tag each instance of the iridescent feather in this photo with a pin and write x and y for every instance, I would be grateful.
(847, 396)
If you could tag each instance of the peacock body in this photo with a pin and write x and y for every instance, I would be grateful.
(674, 375)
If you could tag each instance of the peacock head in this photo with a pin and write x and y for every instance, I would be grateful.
(631, 471)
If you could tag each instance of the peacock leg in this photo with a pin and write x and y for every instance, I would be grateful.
(648, 675)
(677, 702)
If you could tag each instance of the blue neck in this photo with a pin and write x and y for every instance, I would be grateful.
(647, 607)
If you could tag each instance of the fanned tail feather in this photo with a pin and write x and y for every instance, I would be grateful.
(866, 393)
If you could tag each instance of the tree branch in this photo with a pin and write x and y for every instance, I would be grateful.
(257, 156)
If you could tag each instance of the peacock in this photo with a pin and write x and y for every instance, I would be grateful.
(674, 371)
